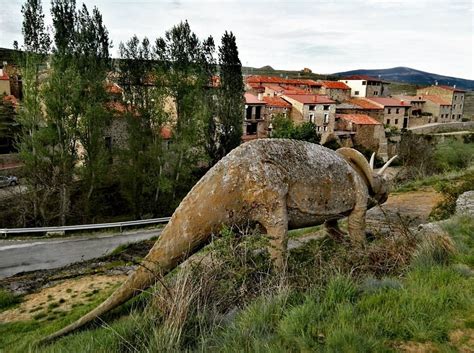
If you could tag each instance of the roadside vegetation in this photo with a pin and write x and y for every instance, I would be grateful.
(396, 291)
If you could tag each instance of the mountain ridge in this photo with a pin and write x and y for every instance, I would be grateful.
(413, 76)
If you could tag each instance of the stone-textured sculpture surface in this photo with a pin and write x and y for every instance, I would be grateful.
(278, 183)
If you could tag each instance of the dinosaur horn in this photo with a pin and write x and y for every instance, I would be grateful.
(382, 170)
(372, 159)
(356, 158)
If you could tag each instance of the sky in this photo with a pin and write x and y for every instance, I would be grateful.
(326, 36)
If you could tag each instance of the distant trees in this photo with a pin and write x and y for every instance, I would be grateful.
(284, 127)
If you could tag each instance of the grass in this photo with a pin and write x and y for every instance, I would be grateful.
(335, 297)
(8, 299)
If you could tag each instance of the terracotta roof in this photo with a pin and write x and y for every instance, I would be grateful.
(335, 85)
(285, 89)
(310, 98)
(362, 103)
(449, 88)
(166, 132)
(11, 99)
(113, 88)
(276, 102)
(359, 119)
(410, 98)
(362, 77)
(280, 80)
(4, 77)
(251, 99)
(436, 99)
(388, 102)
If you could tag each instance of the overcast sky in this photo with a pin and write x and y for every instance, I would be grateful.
(327, 36)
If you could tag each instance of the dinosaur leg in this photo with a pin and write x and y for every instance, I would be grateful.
(275, 223)
(356, 219)
(332, 227)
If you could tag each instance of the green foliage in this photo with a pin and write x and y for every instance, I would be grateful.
(226, 131)
(8, 299)
(454, 155)
(451, 191)
(284, 127)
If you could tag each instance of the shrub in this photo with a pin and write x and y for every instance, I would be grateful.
(454, 155)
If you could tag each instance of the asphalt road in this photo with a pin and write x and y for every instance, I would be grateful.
(28, 255)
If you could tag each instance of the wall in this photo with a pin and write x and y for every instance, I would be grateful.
(5, 87)
(339, 95)
(392, 118)
(356, 85)
(446, 127)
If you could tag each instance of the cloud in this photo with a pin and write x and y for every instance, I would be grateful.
(325, 35)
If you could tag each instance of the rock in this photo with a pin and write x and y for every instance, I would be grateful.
(465, 204)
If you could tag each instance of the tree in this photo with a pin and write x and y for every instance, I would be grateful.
(183, 75)
(228, 127)
(9, 127)
(284, 127)
(92, 63)
(31, 118)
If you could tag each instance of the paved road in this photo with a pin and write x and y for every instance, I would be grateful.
(27, 255)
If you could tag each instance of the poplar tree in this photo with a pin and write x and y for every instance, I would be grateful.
(31, 118)
(184, 71)
(231, 96)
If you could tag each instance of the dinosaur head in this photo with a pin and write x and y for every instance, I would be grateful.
(377, 183)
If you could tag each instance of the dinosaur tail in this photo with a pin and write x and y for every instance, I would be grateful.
(165, 255)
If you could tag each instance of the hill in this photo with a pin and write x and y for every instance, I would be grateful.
(412, 76)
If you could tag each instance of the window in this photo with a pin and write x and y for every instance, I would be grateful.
(325, 107)
(311, 107)
(388, 121)
(258, 112)
(397, 110)
(270, 108)
(364, 83)
(326, 118)
(251, 129)
(396, 121)
(311, 118)
(376, 93)
(389, 111)
(318, 128)
(459, 116)
(325, 128)
(356, 93)
(248, 113)
(455, 98)
(454, 107)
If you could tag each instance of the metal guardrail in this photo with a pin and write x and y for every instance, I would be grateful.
(6, 231)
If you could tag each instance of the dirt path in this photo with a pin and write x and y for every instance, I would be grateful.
(402, 210)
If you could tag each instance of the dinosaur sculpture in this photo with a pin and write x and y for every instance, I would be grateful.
(278, 183)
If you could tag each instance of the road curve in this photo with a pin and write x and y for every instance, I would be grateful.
(29, 255)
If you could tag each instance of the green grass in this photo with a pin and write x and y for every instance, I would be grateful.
(8, 299)
(296, 233)
(326, 304)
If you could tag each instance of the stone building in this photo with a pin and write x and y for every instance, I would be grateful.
(255, 123)
(361, 106)
(437, 109)
(366, 86)
(452, 95)
(395, 111)
(255, 83)
(4, 83)
(362, 130)
(416, 114)
(320, 110)
(336, 90)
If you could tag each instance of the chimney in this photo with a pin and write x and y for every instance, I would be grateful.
(436, 83)
(1, 71)
(454, 86)
(260, 96)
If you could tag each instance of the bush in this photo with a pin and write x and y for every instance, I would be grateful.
(454, 155)
(284, 127)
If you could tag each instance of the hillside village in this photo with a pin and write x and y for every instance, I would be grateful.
(356, 110)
